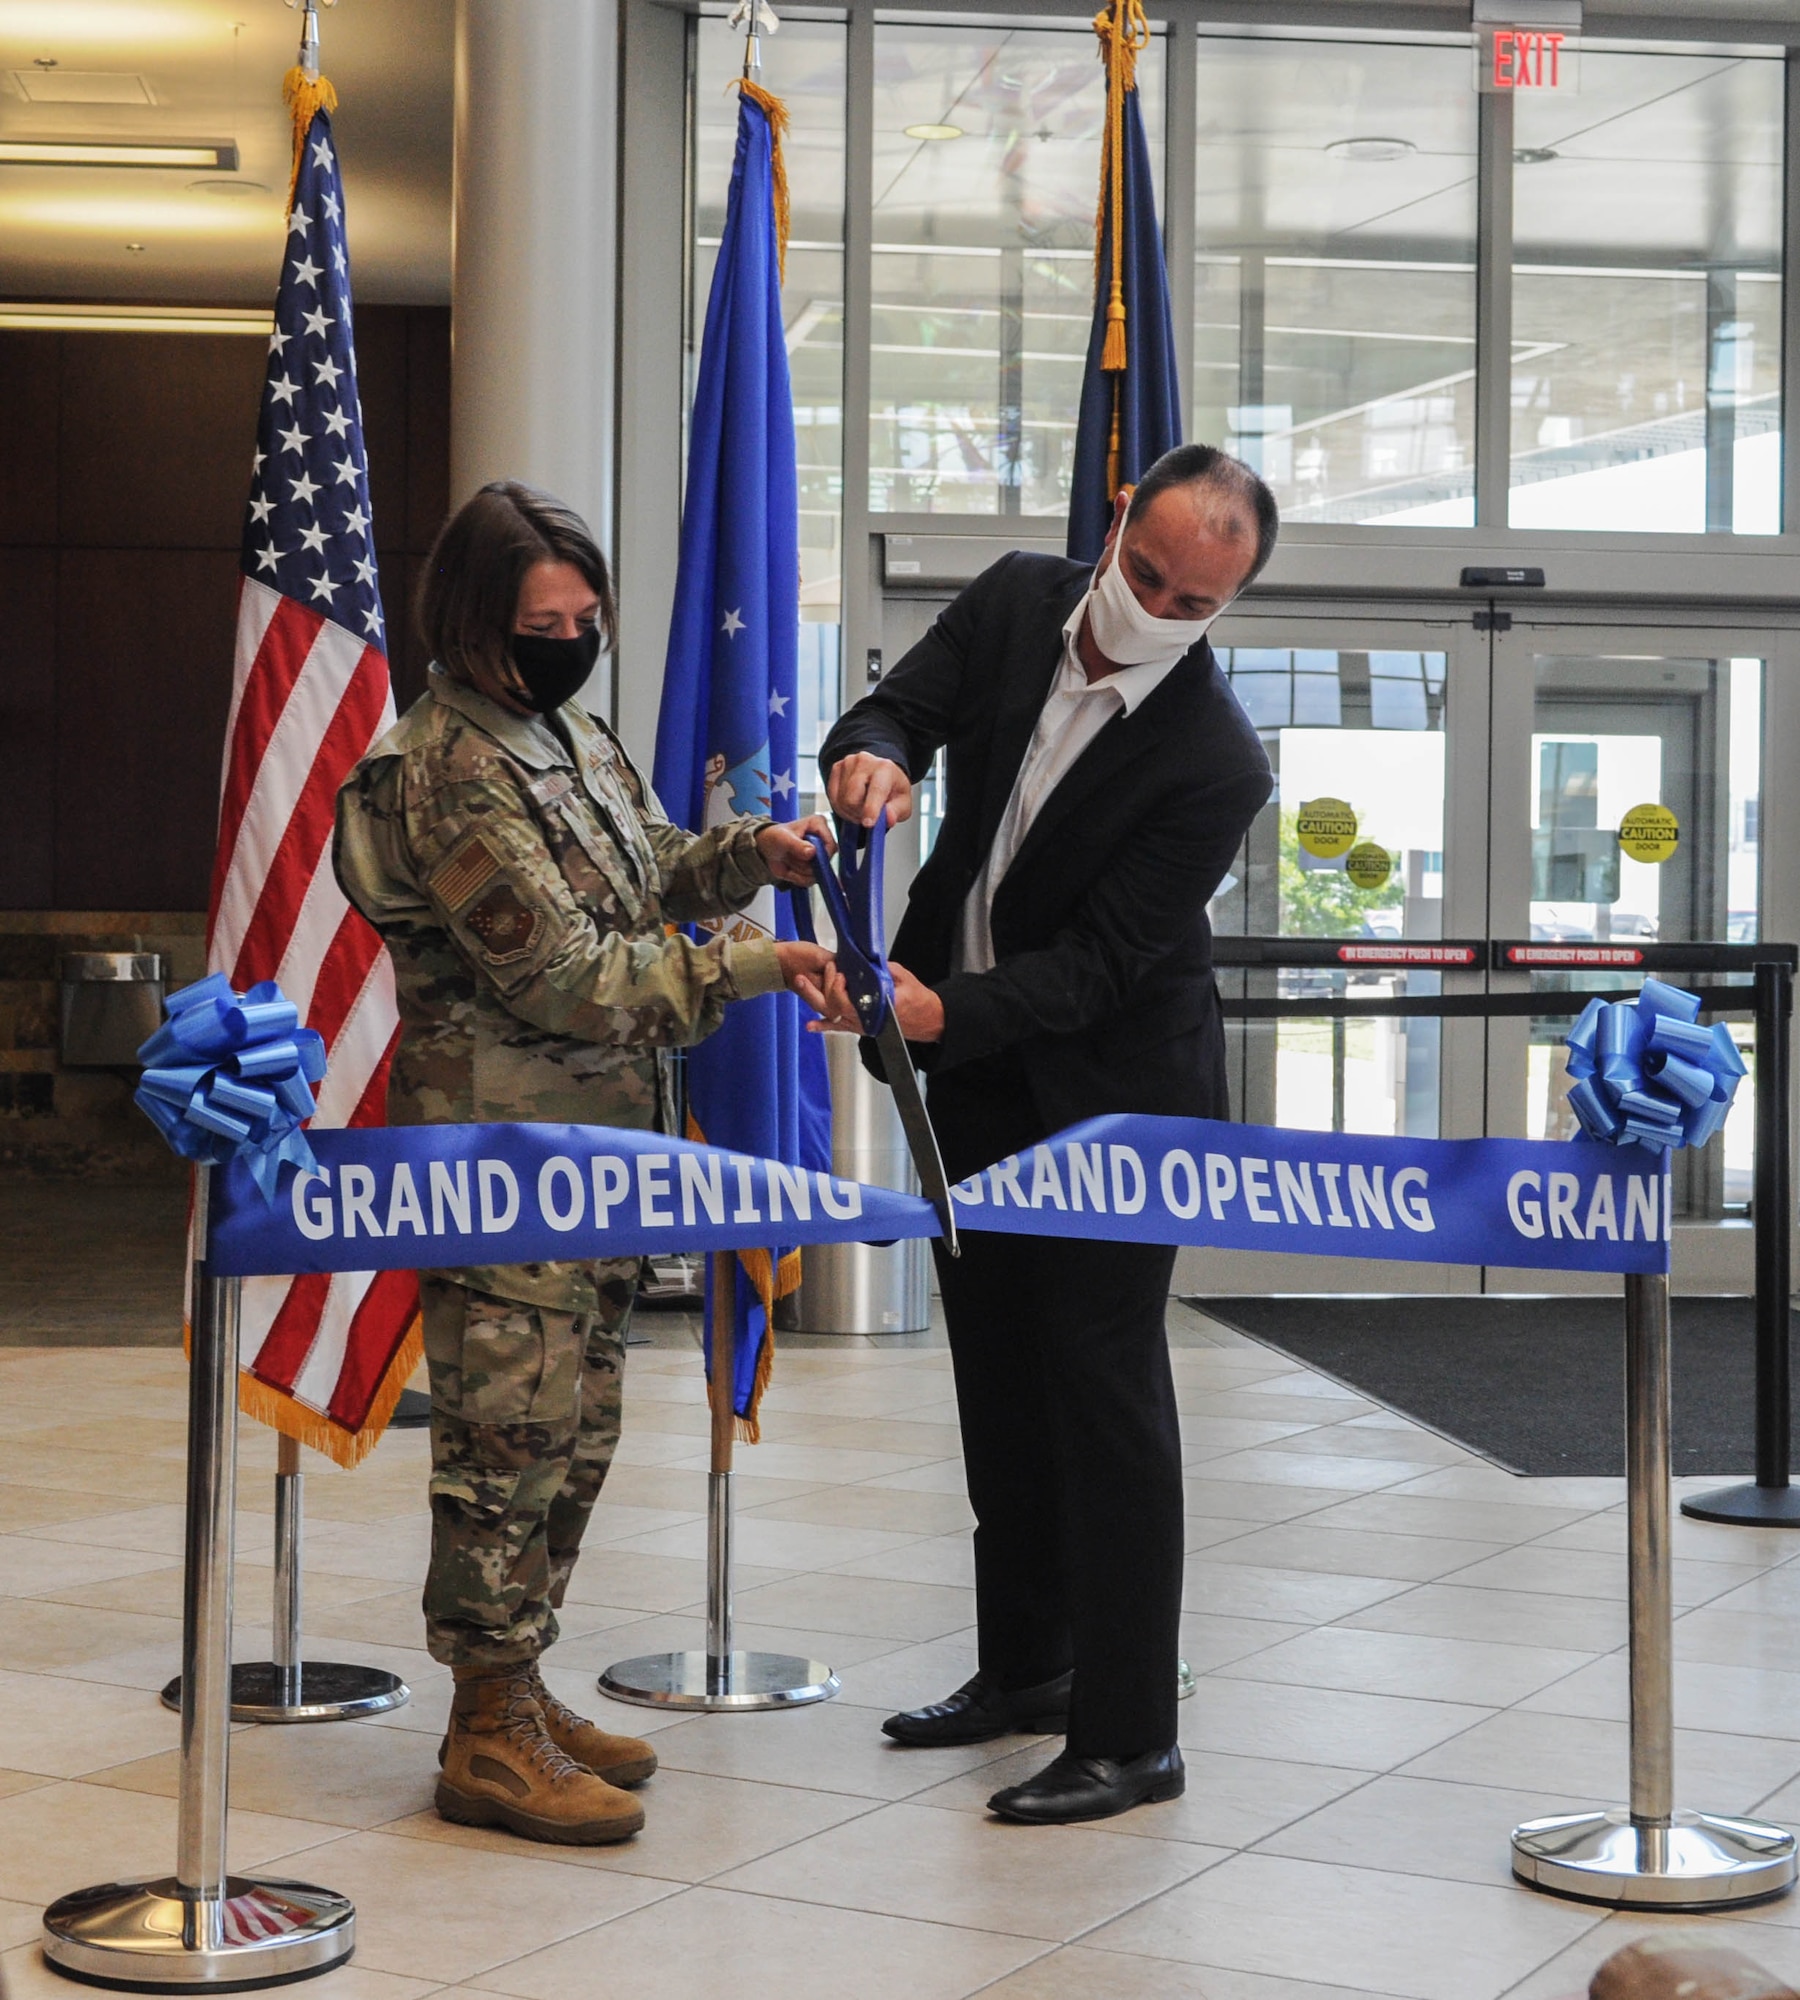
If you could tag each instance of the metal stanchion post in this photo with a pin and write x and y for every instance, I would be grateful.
(287, 1688)
(202, 1929)
(720, 1677)
(1649, 1854)
(1770, 1501)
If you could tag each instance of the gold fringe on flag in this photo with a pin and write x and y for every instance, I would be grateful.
(306, 96)
(1122, 30)
(776, 113)
(772, 1281)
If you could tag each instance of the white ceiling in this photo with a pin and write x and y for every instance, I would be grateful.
(212, 70)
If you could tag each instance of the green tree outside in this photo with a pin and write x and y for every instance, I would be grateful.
(1324, 902)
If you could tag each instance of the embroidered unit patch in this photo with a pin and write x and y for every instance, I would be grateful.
(506, 928)
(469, 869)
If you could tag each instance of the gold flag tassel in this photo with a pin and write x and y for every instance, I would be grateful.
(307, 93)
(1122, 30)
(776, 113)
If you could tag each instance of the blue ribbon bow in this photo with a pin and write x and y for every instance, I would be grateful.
(1646, 1074)
(228, 1076)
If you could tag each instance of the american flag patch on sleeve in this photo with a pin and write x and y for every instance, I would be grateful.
(457, 881)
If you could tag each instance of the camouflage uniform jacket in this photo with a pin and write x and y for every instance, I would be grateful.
(522, 875)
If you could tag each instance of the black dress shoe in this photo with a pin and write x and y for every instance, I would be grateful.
(979, 1711)
(1092, 1788)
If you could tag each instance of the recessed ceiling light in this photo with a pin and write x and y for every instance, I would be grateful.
(115, 153)
(45, 83)
(934, 131)
(232, 189)
(137, 246)
(1374, 147)
(55, 317)
(1533, 156)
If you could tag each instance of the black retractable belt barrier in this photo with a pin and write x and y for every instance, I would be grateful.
(1770, 1500)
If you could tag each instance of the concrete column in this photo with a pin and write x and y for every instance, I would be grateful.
(533, 291)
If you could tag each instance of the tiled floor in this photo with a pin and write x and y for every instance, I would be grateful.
(1402, 1652)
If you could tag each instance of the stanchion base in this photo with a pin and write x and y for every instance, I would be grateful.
(330, 1691)
(736, 1681)
(1698, 1862)
(142, 1936)
(1186, 1687)
(1756, 1506)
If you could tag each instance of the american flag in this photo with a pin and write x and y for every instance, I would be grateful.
(323, 1357)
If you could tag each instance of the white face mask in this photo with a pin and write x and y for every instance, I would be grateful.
(1126, 633)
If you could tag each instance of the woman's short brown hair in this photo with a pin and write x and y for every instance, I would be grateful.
(469, 594)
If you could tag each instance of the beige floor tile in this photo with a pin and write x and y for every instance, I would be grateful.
(871, 1507)
(1701, 1541)
(944, 1475)
(685, 1489)
(19, 1923)
(828, 1464)
(1778, 1591)
(905, 1435)
(1266, 1466)
(98, 1475)
(1249, 1590)
(629, 1579)
(616, 1522)
(1207, 1531)
(64, 1727)
(1229, 1801)
(1406, 1663)
(159, 1591)
(29, 1978)
(25, 1509)
(1370, 1732)
(826, 1748)
(1746, 1701)
(706, 1942)
(432, 1911)
(1357, 1927)
(1419, 1826)
(696, 1826)
(773, 1546)
(872, 1606)
(909, 1676)
(1464, 1520)
(1207, 1436)
(683, 1631)
(1072, 1972)
(1488, 1482)
(30, 1567)
(159, 1531)
(1498, 1617)
(1312, 1545)
(1351, 1439)
(946, 1559)
(1209, 1641)
(345, 1774)
(1231, 1499)
(67, 1836)
(1739, 1638)
(1587, 1757)
(1566, 1976)
(1587, 1573)
(22, 1781)
(949, 1867)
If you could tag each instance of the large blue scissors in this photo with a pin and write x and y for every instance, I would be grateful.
(853, 896)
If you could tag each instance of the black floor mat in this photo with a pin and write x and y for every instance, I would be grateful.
(1536, 1384)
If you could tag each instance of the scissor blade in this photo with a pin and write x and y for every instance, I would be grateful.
(921, 1140)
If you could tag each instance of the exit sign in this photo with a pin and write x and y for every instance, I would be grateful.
(1521, 58)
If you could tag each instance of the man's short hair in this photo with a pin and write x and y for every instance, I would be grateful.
(1230, 478)
(469, 593)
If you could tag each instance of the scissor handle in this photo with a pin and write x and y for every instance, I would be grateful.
(853, 895)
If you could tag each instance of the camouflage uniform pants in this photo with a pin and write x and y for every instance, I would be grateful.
(525, 1412)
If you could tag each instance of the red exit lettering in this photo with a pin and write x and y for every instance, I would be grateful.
(1528, 58)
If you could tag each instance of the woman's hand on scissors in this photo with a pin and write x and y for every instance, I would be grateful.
(827, 995)
(786, 851)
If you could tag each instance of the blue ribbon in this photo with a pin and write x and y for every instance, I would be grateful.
(228, 1077)
(1646, 1074)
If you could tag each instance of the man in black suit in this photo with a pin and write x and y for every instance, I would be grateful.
(1055, 963)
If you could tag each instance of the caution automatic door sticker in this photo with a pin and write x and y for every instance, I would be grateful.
(1368, 866)
(1649, 833)
(1327, 827)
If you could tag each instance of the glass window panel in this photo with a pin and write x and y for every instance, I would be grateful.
(1646, 364)
(803, 65)
(1609, 734)
(987, 166)
(1334, 341)
(1366, 728)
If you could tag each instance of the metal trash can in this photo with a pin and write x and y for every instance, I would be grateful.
(856, 1287)
(111, 1004)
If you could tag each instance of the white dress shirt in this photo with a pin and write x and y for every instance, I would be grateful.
(1074, 713)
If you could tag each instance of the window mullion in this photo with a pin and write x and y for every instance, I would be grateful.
(1493, 309)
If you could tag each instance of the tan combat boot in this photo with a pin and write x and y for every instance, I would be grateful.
(620, 1760)
(501, 1768)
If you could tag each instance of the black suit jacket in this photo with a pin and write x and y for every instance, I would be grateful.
(1102, 989)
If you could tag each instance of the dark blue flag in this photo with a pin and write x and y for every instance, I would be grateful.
(727, 738)
(1131, 414)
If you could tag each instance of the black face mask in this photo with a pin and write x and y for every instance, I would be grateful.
(552, 669)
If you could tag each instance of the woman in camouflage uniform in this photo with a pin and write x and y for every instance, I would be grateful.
(522, 875)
